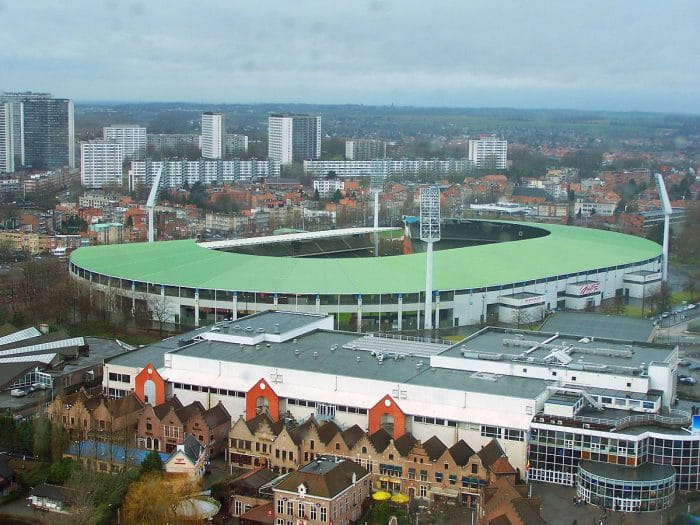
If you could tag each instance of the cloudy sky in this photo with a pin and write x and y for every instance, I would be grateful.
(617, 55)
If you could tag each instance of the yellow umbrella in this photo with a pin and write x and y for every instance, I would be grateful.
(381, 495)
(399, 498)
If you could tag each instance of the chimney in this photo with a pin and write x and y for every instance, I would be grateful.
(44, 328)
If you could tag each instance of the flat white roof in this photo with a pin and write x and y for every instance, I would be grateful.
(290, 237)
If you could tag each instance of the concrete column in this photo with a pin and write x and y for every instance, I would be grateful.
(234, 306)
(400, 312)
(318, 304)
(196, 308)
(359, 313)
(436, 324)
(133, 297)
(275, 301)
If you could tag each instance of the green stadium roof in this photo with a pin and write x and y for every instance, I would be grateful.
(183, 263)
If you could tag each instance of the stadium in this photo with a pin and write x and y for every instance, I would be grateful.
(374, 280)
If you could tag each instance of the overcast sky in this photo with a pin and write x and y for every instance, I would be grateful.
(617, 55)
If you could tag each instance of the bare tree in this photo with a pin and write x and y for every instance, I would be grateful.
(160, 309)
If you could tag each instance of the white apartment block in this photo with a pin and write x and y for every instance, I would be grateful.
(236, 144)
(327, 187)
(7, 150)
(132, 139)
(294, 137)
(489, 152)
(101, 163)
(386, 168)
(213, 135)
(207, 171)
(365, 149)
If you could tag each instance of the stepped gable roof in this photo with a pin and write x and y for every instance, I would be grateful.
(255, 423)
(299, 432)
(380, 440)
(461, 452)
(352, 435)
(502, 466)
(434, 448)
(163, 409)
(328, 431)
(405, 443)
(217, 415)
(490, 453)
(123, 406)
(188, 411)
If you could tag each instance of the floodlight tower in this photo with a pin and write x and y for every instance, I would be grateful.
(429, 233)
(151, 202)
(666, 207)
(376, 186)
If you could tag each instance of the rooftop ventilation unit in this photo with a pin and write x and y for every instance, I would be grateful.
(261, 330)
(248, 328)
(358, 359)
(296, 351)
(315, 354)
(236, 327)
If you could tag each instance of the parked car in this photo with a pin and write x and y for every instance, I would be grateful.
(688, 380)
(695, 366)
(683, 362)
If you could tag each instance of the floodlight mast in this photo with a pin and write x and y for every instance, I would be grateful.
(151, 202)
(667, 210)
(376, 186)
(429, 233)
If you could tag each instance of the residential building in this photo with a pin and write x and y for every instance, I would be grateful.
(108, 232)
(588, 207)
(47, 129)
(177, 172)
(101, 164)
(236, 144)
(131, 138)
(489, 152)
(365, 149)
(386, 168)
(327, 186)
(322, 491)
(293, 137)
(7, 143)
(164, 141)
(17, 126)
(213, 135)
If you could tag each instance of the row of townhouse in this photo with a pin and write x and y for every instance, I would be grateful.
(427, 470)
(164, 427)
(83, 415)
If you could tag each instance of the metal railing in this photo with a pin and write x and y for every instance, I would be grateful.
(410, 338)
(674, 417)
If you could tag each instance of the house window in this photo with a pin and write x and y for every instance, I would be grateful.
(447, 466)
(391, 457)
(337, 446)
(438, 477)
(424, 475)
(290, 508)
(312, 512)
(238, 507)
(302, 510)
(324, 514)
(423, 491)
(280, 506)
(475, 468)
(311, 444)
(149, 426)
(364, 450)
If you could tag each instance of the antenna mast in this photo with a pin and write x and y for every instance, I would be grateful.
(666, 207)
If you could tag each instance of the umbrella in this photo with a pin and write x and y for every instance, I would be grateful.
(399, 498)
(381, 495)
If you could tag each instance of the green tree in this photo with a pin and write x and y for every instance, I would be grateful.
(42, 438)
(151, 463)
(60, 471)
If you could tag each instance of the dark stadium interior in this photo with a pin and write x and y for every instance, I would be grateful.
(455, 234)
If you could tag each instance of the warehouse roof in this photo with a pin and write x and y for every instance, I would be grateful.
(565, 250)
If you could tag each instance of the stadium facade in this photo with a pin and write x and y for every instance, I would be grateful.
(483, 271)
